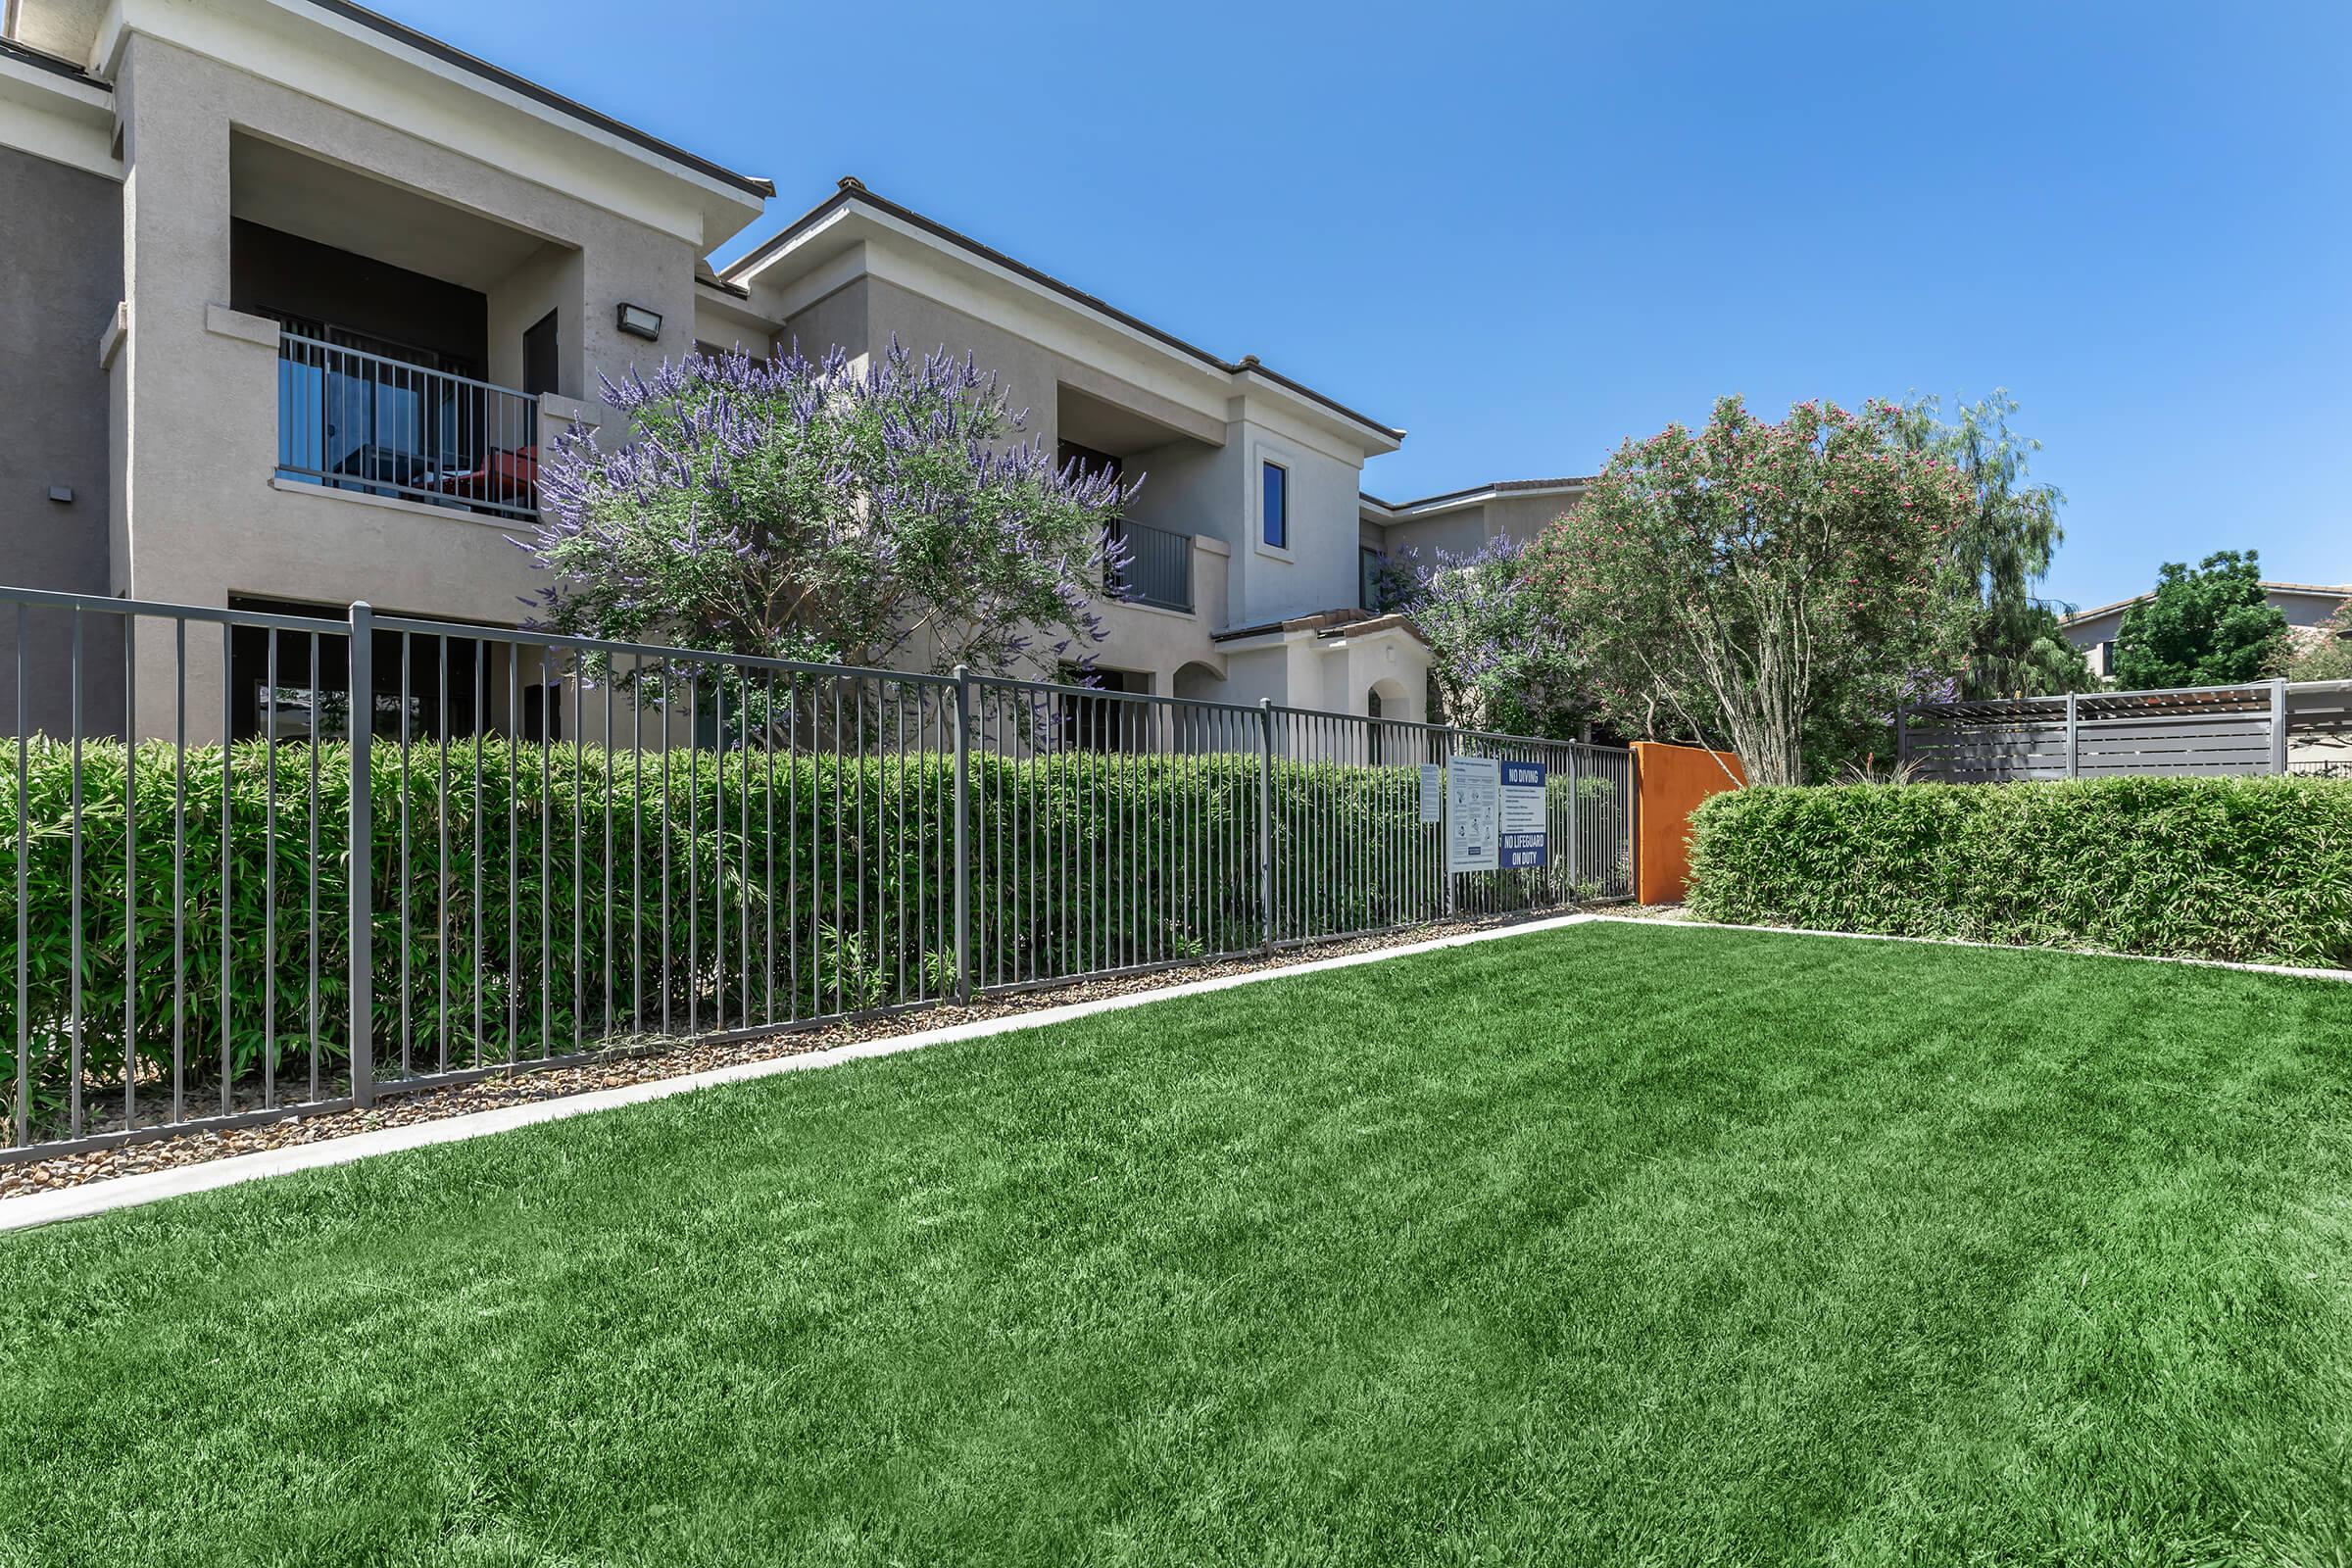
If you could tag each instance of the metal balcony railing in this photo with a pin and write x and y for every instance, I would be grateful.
(364, 421)
(1158, 569)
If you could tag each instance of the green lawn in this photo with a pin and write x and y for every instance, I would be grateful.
(1611, 1244)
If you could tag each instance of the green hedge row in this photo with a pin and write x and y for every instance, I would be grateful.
(2254, 869)
(1120, 859)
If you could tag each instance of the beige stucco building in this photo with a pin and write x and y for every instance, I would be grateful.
(305, 291)
(2307, 606)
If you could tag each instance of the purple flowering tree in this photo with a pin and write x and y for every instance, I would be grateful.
(892, 515)
(1497, 656)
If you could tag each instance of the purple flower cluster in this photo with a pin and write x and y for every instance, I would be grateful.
(826, 510)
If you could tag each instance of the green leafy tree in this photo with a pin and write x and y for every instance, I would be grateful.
(2047, 665)
(2323, 655)
(1779, 586)
(2004, 548)
(2208, 627)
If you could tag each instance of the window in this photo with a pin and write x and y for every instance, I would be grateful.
(1278, 506)
(1368, 578)
(539, 356)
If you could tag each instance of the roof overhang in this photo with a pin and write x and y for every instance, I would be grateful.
(1476, 496)
(1327, 625)
(392, 74)
(823, 247)
(52, 109)
(2275, 590)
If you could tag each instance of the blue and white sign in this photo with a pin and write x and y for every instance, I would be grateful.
(1522, 829)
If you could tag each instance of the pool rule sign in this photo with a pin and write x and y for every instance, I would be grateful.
(1523, 817)
(1473, 813)
(1495, 814)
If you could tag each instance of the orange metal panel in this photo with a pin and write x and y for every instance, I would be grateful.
(1669, 783)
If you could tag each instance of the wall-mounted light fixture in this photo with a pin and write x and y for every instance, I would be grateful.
(638, 322)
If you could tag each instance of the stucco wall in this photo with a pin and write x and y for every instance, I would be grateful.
(1317, 569)
(1190, 488)
(1198, 438)
(1188, 484)
(1450, 533)
(200, 385)
(551, 278)
(2304, 613)
(60, 273)
(838, 321)
(1520, 518)
(1524, 517)
(278, 274)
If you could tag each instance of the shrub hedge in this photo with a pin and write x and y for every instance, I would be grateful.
(2253, 870)
(1122, 859)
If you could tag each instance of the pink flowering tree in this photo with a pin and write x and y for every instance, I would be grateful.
(1779, 588)
(889, 514)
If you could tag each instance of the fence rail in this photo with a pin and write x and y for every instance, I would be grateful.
(2264, 727)
(572, 847)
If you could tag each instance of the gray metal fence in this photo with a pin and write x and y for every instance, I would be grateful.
(576, 846)
(2264, 727)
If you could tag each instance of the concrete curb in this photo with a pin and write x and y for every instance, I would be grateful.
(2341, 976)
(127, 1192)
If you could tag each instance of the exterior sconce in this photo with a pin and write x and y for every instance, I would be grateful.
(638, 322)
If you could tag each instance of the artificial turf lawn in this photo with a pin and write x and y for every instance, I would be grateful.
(1605, 1244)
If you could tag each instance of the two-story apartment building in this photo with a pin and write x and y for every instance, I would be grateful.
(297, 294)
(2307, 606)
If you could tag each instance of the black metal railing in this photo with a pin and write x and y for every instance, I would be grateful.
(358, 421)
(1156, 568)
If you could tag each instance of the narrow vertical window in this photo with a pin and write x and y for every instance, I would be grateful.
(1278, 506)
(539, 356)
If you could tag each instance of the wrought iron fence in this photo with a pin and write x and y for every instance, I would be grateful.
(573, 847)
(364, 421)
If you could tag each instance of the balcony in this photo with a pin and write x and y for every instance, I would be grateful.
(1159, 570)
(355, 419)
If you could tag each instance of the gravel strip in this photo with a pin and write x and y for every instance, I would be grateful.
(638, 1064)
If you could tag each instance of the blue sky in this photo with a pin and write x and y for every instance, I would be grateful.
(1525, 233)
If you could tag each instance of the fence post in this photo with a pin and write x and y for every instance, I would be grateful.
(2279, 726)
(362, 724)
(1446, 824)
(1266, 817)
(963, 866)
(1902, 736)
(2074, 738)
(1576, 835)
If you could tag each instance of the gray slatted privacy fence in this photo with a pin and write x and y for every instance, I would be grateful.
(577, 845)
(2267, 727)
